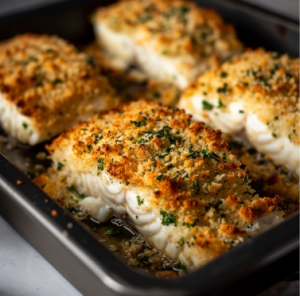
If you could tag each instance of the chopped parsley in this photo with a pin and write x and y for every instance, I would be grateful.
(112, 232)
(168, 149)
(192, 225)
(139, 200)
(224, 158)
(56, 81)
(276, 118)
(84, 129)
(89, 147)
(274, 135)
(218, 205)
(181, 241)
(156, 94)
(159, 177)
(60, 166)
(241, 111)
(178, 266)
(206, 105)
(25, 125)
(246, 179)
(168, 218)
(98, 137)
(73, 190)
(138, 123)
(101, 164)
(221, 105)
(223, 90)
(162, 155)
(223, 74)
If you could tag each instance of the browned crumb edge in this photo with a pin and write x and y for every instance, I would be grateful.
(266, 179)
(133, 249)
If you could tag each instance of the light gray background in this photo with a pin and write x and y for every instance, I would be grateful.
(23, 271)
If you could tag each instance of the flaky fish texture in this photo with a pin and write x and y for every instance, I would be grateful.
(254, 96)
(175, 178)
(171, 41)
(46, 85)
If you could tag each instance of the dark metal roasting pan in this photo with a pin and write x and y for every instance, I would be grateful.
(88, 265)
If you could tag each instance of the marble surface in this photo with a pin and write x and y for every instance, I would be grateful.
(24, 272)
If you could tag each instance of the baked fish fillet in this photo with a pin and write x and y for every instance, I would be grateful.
(256, 96)
(130, 82)
(174, 178)
(46, 85)
(172, 41)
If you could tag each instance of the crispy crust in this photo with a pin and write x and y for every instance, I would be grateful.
(49, 80)
(186, 165)
(171, 27)
(267, 83)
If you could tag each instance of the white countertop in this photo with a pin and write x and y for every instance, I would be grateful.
(24, 272)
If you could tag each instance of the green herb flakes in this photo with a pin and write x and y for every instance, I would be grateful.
(139, 200)
(168, 218)
(73, 190)
(206, 105)
(138, 123)
(112, 232)
(101, 164)
(178, 266)
(60, 166)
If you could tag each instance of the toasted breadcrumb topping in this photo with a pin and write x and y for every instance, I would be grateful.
(49, 80)
(196, 184)
(171, 27)
(267, 84)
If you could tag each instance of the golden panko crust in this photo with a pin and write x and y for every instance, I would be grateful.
(49, 80)
(171, 27)
(267, 83)
(185, 164)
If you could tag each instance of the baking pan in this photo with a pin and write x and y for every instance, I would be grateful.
(75, 252)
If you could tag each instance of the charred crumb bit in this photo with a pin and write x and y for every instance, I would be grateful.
(45, 200)
(53, 213)
(166, 274)
(69, 225)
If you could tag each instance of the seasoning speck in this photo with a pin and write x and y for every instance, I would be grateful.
(53, 213)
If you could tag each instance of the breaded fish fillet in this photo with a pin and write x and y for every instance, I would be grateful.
(46, 85)
(175, 178)
(131, 83)
(255, 95)
(172, 41)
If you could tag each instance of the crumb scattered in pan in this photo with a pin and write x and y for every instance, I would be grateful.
(53, 213)
(69, 225)
(19, 182)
